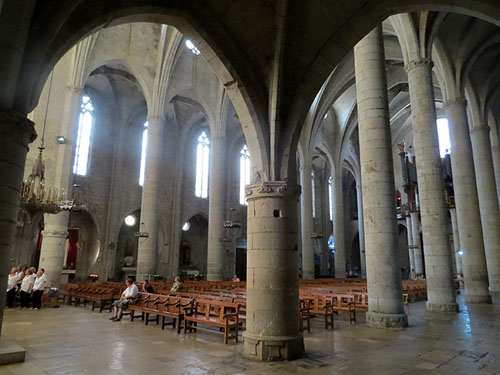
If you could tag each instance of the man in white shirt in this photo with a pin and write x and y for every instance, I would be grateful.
(26, 287)
(127, 295)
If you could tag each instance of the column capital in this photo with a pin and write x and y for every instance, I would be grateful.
(74, 89)
(273, 189)
(454, 102)
(482, 127)
(155, 118)
(17, 126)
(427, 62)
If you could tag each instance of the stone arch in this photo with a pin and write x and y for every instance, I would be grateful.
(71, 22)
(341, 40)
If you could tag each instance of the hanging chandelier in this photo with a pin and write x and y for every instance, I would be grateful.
(36, 195)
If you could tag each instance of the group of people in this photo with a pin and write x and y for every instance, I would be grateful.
(132, 291)
(29, 283)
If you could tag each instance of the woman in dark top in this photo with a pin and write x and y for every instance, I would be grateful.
(147, 287)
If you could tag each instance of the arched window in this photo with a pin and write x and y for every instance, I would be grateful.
(202, 164)
(82, 148)
(443, 136)
(142, 170)
(313, 195)
(244, 172)
(330, 200)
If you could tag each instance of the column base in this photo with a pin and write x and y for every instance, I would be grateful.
(469, 298)
(442, 307)
(495, 294)
(273, 348)
(380, 320)
(10, 352)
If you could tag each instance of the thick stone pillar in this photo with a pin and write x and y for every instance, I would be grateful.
(215, 253)
(456, 241)
(417, 243)
(361, 230)
(488, 203)
(433, 207)
(338, 224)
(54, 234)
(307, 223)
(411, 255)
(149, 214)
(495, 153)
(385, 294)
(56, 226)
(272, 331)
(16, 132)
(470, 232)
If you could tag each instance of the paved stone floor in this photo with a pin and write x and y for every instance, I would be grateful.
(72, 340)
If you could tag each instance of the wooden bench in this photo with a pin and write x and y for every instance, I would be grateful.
(173, 307)
(223, 315)
(319, 305)
(344, 302)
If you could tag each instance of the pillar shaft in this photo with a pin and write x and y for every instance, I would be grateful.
(433, 206)
(470, 232)
(338, 224)
(149, 212)
(488, 203)
(272, 331)
(495, 153)
(55, 229)
(215, 254)
(385, 302)
(307, 223)
(411, 256)
(361, 230)
(417, 244)
(456, 241)
(16, 132)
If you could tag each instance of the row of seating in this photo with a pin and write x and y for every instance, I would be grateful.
(189, 312)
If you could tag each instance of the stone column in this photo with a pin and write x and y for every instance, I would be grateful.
(409, 232)
(16, 132)
(55, 229)
(54, 234)
(307, 223)
(385, 294)
(272, 331)
(495, 153)
(417, 243)
(470, 232)
(149, 215)
(433, 207)
(338, 224)
(361, 230)
(456, 240)
(216, 194)
(488, 203)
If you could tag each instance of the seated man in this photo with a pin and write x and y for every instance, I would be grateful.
(124, 300)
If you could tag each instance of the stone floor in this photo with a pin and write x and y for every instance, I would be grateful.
(72, 340)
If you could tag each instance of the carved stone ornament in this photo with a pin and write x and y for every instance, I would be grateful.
(273, 189)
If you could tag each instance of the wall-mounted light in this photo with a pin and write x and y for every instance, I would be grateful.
(60, 139)
(460, 253)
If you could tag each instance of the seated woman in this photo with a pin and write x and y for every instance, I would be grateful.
(177, 286)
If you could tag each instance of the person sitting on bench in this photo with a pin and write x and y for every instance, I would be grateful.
(177, 285)
(129, 293)
(147, 287)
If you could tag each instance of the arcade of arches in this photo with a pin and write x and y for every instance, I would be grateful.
(280, 140)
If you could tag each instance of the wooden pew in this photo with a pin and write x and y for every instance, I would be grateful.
(223, 315)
